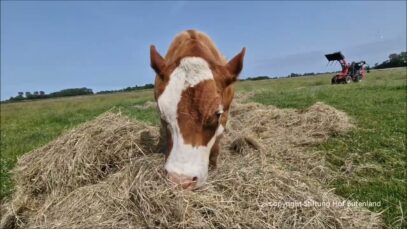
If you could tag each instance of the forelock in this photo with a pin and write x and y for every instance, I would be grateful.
(195, 70)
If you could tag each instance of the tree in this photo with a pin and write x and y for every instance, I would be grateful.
(404, 57)
(395, 60)
(28, 95)
(393, 56)
(20, 96)
(72, 92)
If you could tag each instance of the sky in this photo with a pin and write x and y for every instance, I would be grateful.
(104, 45)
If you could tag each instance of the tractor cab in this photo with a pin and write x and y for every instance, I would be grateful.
(357, 67)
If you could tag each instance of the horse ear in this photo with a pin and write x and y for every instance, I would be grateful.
(235, 66)
(157, 61)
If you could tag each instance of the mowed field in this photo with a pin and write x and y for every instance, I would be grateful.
(371, 158)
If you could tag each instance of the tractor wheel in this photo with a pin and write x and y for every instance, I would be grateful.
(334, 80)
(348, 80)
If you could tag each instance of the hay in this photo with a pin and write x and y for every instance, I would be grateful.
(103, 174)
(146, 105)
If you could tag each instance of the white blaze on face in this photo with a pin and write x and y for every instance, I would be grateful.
(185, 159)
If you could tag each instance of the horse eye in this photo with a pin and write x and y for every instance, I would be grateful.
(218, 114)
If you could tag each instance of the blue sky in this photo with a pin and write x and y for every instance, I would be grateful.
(104, 45)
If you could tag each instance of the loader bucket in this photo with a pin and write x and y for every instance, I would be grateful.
(335, 56)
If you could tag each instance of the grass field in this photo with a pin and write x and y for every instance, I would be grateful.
(372, 156)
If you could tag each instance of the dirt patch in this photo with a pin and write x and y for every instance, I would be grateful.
(104, 174)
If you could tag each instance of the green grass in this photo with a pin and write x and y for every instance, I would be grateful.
(378, 144)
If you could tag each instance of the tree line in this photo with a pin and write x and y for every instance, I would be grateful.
(42, 95)
(395, 60)
(254, 78)
(22, 96)
(146, 86)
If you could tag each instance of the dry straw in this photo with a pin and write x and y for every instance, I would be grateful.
(105, 174)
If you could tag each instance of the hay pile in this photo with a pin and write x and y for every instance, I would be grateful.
(103, 174)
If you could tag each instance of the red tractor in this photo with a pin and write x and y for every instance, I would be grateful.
(356, 71)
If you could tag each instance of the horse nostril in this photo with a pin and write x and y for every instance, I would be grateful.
(194, 178)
